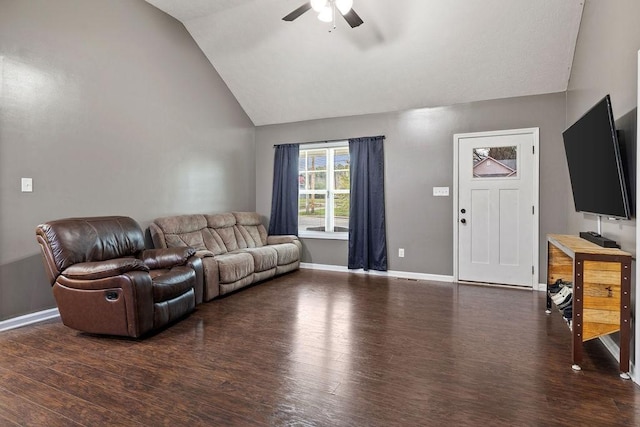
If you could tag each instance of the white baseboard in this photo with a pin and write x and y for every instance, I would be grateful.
(611, 345)
(542, 287)
(390, 273)
(28, 319)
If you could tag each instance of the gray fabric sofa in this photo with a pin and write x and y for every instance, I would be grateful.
(234, 248)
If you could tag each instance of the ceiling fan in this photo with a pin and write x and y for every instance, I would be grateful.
(327, 11)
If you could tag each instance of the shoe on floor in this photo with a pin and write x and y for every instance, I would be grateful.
(566, 303)
(562, 295)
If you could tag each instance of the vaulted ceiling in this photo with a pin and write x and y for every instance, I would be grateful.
(407, 54)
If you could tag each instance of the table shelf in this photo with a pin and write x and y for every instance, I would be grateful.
(601, 291)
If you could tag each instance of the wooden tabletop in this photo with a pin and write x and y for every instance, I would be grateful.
(576, 244)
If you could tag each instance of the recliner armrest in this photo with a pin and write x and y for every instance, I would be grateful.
(102, 269)
(275, 240)
(166, 258)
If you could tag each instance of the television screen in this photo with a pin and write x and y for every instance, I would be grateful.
(595, 166)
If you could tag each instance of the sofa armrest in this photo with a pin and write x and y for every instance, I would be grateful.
(276, 240)
(102, 269)
(205, 254)
(196, 264)
(157, 236)
(166, 258)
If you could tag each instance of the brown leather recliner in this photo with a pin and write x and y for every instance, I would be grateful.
(106, 282)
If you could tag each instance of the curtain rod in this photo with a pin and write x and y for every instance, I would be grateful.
(330, 141)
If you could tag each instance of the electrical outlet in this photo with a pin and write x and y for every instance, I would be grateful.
(441, 191)
(401, 252)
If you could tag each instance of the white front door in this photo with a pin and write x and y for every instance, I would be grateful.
(496, 216)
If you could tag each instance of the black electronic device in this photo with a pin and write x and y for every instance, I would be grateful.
(596, 167)
(595, 164)
(594, 237)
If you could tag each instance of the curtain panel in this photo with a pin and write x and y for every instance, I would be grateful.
(367, 230)
(284, 201)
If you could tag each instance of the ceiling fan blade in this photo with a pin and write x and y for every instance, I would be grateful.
(299, 11)
(353, 19)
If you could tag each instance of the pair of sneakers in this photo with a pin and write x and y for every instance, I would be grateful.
(562, 296)
(567, 302)
(558, 285)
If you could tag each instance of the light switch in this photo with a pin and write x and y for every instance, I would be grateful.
(440, 191)
(27, 185)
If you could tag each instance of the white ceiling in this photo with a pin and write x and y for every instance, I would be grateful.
(407, 54)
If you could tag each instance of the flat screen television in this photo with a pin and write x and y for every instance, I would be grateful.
(595, 164)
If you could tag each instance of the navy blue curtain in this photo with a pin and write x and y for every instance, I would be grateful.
(367, 231)
(284, 201)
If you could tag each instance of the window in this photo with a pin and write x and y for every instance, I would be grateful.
(323, 201)
(495, 162)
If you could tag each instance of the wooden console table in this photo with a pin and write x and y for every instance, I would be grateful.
(601, 291)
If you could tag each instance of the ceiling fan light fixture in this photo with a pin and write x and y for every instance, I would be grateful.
(344, 6)
(326, 14)
(319, 5)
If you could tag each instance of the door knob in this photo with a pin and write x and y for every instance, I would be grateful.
(464, 221)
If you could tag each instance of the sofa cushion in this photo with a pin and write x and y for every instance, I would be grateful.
(221, 220)
(247, 218)
(287, 253)
(254, 236)
(285, 238)
(234, 266)
(221, 226)
(264, 258)
(249, 226)
(181, 224)
(225, 288)
(228, 237)
(213, 242)
(183, 230)
(193, 239)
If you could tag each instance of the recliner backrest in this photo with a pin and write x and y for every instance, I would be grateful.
(71, 241)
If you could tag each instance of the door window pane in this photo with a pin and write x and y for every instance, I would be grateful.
(495, 162)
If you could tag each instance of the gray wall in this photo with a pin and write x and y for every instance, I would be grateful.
(111, 108)
(419, 156)
(605, 62)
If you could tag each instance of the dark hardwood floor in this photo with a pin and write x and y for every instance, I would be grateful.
(326, 349)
